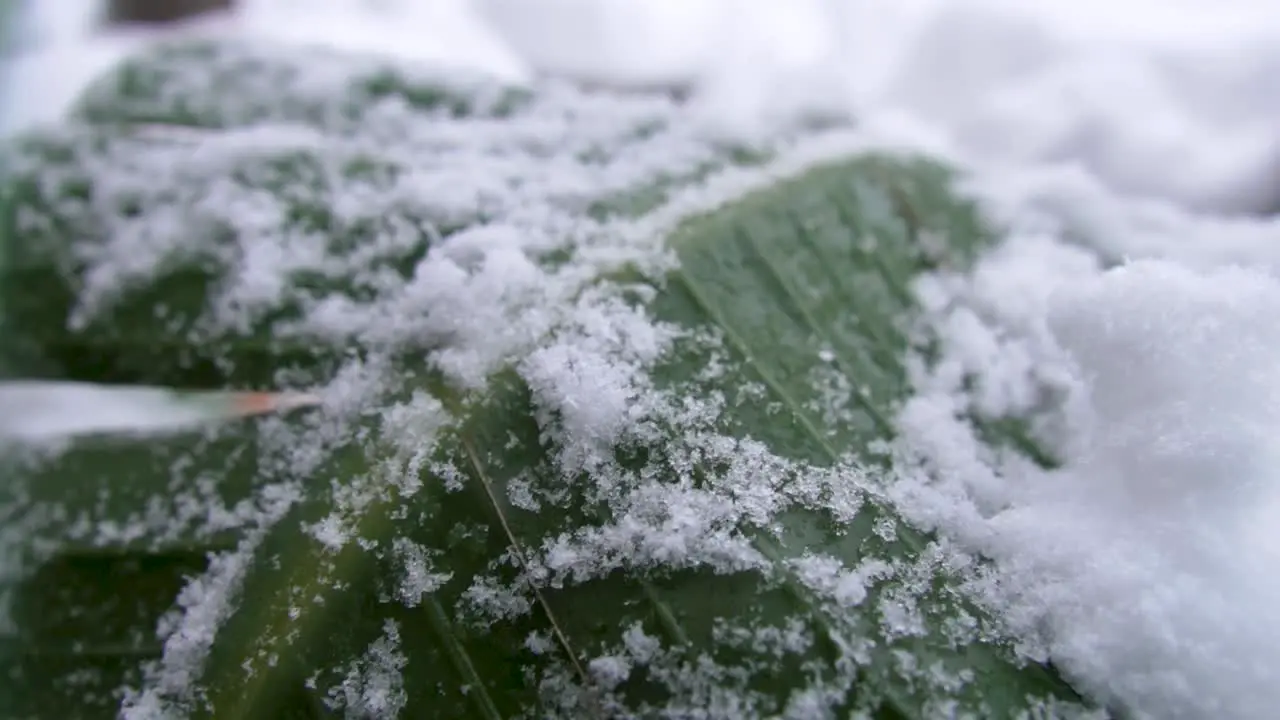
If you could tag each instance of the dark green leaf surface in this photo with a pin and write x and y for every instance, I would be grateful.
(516, 547)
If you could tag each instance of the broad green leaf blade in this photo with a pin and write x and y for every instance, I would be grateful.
(622, 488)
(706, 608)
(194, 490)
(173, 329)
(225, 83)
(100, 538)
(253, 215)
(80, 639)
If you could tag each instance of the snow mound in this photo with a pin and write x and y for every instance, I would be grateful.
(1142, 566)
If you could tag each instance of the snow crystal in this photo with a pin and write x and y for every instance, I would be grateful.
(609, 670)
(373, 686)
(828, 575)
(666, 526)
(417, 579)
(639, 644)
(795, 638)
(188, 634)
(539, 643)
(592, 379)
(494, 601)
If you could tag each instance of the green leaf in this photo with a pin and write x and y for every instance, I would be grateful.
(228, 84)
(659, 501)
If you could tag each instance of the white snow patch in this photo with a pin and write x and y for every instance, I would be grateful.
(373, 686)
(417, 579)
(589, 384)
(188, 634)
(829, 576)
(1142, 567)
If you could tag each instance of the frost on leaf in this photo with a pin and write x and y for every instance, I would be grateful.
(600, 435)
(373, 687)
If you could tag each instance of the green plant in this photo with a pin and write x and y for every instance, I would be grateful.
(627, 468)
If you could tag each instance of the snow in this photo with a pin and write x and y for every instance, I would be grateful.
(188, 634)
(1178, 465)
(418, 579)
(1132, 155)
(1141, 566)
(373, 686)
